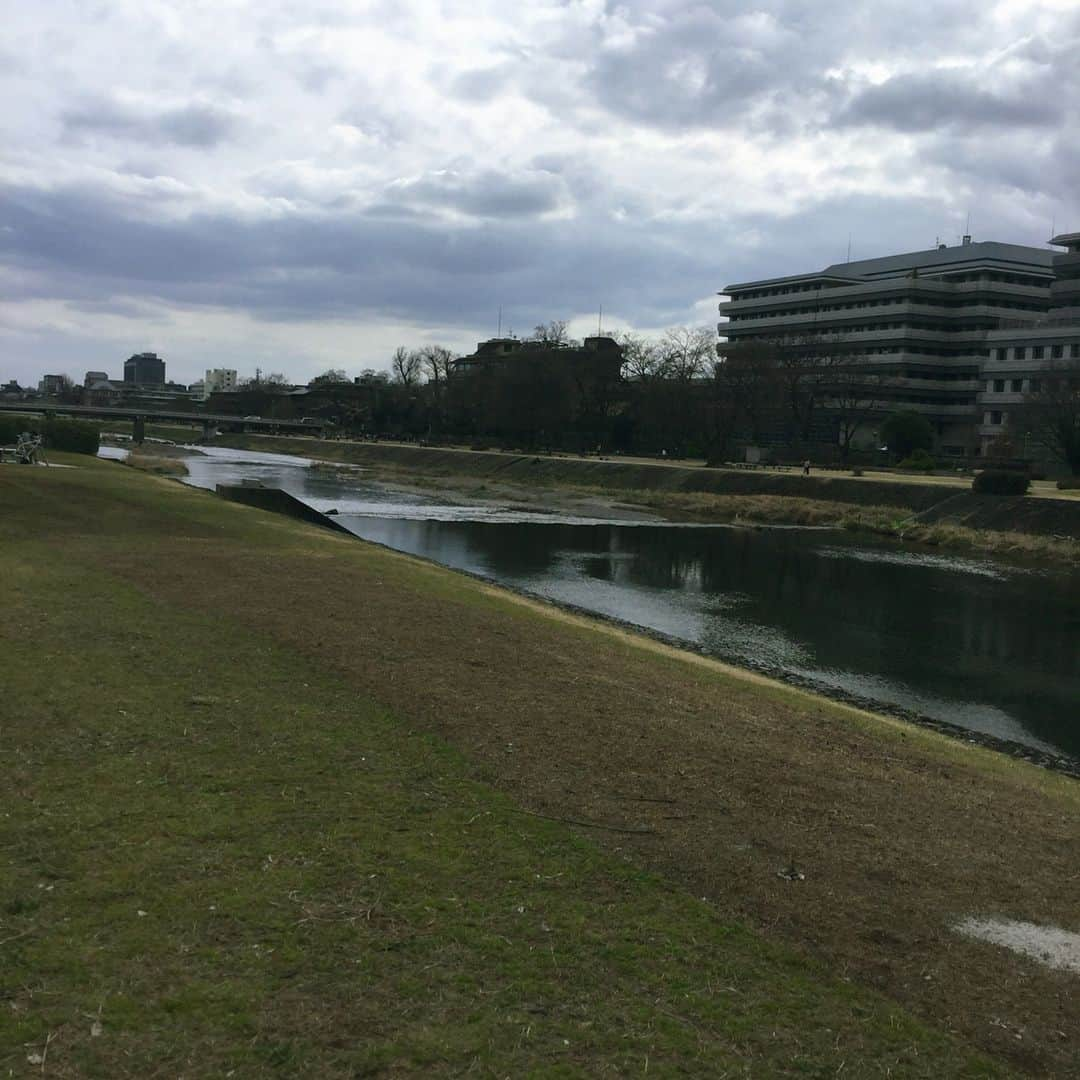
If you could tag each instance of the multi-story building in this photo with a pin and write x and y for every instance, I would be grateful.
(1022, 355)
(52, 384)
(144, 369)
(92, 377)
(218, 381)
(918, 321)
(597, 357)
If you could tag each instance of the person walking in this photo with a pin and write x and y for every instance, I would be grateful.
(806, 467)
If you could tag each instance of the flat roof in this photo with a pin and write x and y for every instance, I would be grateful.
(963, 256)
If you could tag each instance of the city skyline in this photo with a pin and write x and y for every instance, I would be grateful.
(249, 186)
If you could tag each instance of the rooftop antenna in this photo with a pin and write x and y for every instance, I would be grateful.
(600, 320)
(499, 334)
(1053, 228)
(849, 247)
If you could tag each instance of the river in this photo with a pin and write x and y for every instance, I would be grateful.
(988, 646)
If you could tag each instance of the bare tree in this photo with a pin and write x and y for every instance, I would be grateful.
(405, 366)
(1051, 413)
(747, 375)
(688, 352)
(854, 396)
(436, 361)
(551, 333)
(642, 358)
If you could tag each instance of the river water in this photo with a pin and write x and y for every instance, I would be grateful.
(989, 646)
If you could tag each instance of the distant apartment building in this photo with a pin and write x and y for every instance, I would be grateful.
(1022, 355)
(144, 369)
(918, 321)
(92, 377)
(52, 384)
(218, 381)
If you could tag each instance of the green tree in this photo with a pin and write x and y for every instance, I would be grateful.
(905, 432)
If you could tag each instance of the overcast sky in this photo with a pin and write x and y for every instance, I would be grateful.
(306, 185)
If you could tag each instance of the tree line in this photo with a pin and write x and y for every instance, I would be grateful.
(679, 393)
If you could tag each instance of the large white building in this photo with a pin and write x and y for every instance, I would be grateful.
(920, 321)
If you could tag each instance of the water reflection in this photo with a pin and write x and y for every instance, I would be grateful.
(972, 642)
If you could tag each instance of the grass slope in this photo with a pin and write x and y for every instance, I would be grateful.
(237, 837)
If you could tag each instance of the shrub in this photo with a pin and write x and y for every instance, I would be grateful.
(919, 460)
(11, 427)
(1069, 483)
(76, 436)
(1000, 482)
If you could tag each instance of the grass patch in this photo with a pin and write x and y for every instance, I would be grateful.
(263, 812)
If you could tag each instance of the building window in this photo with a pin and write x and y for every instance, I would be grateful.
(1055, 352)
(999, 386)
(1036, 352)
(999, 354)
(1020, 352)
(1017, 385)
(1033, 385)
(1074, 351)
(995, 416)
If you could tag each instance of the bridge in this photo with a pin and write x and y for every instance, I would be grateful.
(140, 417)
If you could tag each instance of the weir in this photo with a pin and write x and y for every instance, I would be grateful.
(277, 502)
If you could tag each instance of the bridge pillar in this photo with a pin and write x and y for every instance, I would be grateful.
(207, 429)
(138, 432)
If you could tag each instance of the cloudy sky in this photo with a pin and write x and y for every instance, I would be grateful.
(297, 186)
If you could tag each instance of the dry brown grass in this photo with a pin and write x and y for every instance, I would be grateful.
(156, 464)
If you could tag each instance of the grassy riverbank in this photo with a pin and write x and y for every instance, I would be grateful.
(888, 508)
(281, 802)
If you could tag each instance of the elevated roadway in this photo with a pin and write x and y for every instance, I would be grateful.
(139, 417)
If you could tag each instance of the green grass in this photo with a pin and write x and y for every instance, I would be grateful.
(230, 858)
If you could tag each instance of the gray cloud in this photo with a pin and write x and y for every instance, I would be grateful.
(195, 124)
(309, 266)
(489, 193)
(483, 84)
(933, 101)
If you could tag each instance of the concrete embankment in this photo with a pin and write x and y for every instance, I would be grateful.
(1039, 517)
(928, 502)
(278, 502)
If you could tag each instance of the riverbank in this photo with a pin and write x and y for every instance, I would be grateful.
(288, 798)
(932, 514)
